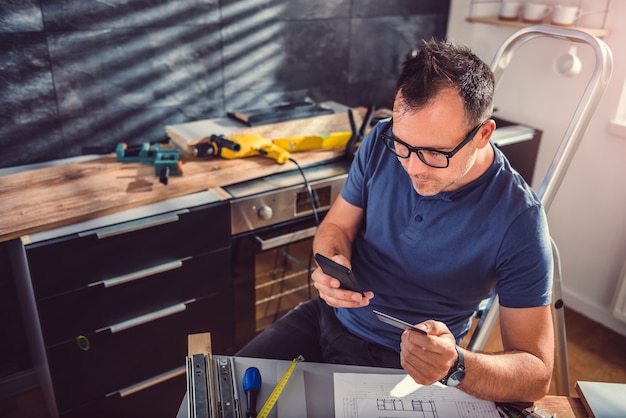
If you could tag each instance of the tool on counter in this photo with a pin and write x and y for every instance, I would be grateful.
(349, 139)
(280, 113)
(217, 137)
(251, 386)
(241, 146)
(166, 161)
(357, 135)
(215, 145)
(278, 389)
(311, 142)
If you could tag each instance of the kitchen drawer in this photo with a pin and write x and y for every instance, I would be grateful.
(62, 264)
(106, 362)
(69, 315)
(161, 400)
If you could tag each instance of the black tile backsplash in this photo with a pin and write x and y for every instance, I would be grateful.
(377, 8)
(77, 74)
(387, 41)
(30, 127)
(71, 15)
(286, 9)
(20, 16)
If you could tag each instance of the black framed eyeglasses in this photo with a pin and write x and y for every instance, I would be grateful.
(431, 157)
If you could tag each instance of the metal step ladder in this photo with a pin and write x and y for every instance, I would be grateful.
(556, 172)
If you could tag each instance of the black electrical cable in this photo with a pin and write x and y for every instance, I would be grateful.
(308, 188)
(314, 208)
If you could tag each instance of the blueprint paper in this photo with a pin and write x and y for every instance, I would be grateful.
(397, 396)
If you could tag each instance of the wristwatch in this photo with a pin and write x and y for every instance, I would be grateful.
(457, 371)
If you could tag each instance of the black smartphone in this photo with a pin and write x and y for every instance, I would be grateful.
(398, 323)
(339, 272)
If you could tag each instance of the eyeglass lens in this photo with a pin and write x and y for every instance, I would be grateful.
(432, 158)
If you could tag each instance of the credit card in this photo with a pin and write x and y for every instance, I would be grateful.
(398, 323)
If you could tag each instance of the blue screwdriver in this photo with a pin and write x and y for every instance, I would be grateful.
(251, 386)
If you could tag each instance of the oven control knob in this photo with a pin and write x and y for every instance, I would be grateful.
(265, 212)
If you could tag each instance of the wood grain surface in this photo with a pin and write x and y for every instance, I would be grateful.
(187, 135)
(37, 200)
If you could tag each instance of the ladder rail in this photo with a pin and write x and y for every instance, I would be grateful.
(586, 106)
(556, 172)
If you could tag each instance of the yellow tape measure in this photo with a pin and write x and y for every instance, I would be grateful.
(278, 389)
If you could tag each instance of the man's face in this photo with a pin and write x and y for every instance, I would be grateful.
(441, 126)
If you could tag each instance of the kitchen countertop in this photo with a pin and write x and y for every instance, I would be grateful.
(54, 194)
(40, 199)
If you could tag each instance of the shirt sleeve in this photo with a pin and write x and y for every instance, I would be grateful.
(525, 264)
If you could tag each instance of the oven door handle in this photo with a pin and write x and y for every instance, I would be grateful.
(268, 244)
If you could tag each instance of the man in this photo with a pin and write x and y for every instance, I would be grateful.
(432, 219)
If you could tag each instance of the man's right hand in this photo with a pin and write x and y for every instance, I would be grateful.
(330, 292)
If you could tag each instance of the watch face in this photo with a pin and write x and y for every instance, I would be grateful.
(456, 378)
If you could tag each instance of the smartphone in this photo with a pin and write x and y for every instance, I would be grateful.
(339, 272)
(398, 323)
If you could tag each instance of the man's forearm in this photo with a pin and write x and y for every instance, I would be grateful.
(506, 377)
(331, 240)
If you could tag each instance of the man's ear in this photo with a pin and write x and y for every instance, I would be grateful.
(484, 133)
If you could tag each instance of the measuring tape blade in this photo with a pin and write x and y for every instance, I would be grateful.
(278, 389)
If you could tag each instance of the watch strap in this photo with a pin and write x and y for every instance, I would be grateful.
(459, 364)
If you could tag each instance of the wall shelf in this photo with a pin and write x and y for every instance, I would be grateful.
(494, 20)
(593, 20)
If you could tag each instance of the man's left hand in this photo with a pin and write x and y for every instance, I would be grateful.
(428, 358)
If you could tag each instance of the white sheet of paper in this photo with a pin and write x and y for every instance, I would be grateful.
(397, 395)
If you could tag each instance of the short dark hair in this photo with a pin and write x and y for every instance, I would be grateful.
(444, 64)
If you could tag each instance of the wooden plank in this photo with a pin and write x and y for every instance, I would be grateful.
(318, 125)
(187, 135)
(199, 344)
(38, 200)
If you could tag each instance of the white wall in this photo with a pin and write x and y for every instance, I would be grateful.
(588, 215)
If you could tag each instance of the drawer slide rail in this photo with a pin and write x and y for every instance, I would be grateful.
(212, 388)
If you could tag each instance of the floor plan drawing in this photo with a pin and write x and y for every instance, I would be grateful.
(398, 396)
(426, 409)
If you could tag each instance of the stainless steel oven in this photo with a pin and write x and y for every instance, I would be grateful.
(272, 226)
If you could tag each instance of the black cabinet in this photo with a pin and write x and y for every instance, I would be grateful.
(520, 144)
(111, 308)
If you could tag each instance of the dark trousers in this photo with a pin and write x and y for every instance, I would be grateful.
(312, 330)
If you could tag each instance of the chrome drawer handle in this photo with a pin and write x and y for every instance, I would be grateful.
(110, 231)
(149, 382)
(144, 319)
(268, 244)
(172, 265)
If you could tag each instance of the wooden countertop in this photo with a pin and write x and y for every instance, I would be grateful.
(563, 407)
(38, 200)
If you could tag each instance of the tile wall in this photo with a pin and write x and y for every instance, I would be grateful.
(81, 76)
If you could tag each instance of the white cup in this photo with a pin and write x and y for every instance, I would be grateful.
(509, 10)
(565, 15)
(535, 12)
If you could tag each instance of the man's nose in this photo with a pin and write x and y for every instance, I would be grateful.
(414, 165)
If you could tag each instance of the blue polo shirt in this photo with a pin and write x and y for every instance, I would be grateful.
(437, 257)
